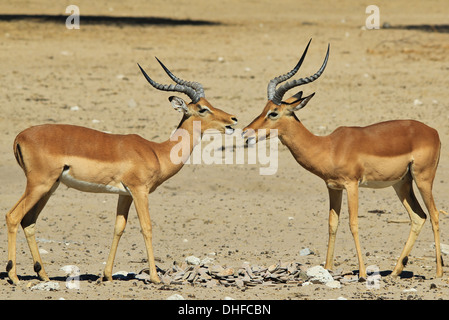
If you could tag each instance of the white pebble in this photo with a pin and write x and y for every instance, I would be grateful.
(176, 297)
(319, 274)
(334, 284)
(193, 260)
(417, 102)
(132, 103)
(46, 286)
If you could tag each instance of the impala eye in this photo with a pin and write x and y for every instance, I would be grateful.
(203, 110)
(273, 115)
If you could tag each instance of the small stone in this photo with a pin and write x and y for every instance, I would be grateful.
(305, 252)
(272, 268)
(132, 103)
(175, 297)
(319, 274)
(417, 102)
(226, 272)
(192, 260)
(46, 286)
(207, 261)
(239, 283)
(334, 284)
(215, 269)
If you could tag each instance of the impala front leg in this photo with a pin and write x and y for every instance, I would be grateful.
(141, 202)
(353, 203)
(124, 202)
(335, 197)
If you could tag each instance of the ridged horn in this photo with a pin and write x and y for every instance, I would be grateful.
(279, 93)
(189, 91)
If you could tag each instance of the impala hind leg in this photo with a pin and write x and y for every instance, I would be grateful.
(123, 205)
(26, 212)
(404, 190)
(335, 197)
(141, 204)
(425, 189)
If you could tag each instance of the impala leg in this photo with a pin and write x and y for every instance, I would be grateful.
(124, 202)
(32, 200)
(353, 204)
(404, 190)
(29, 227)
(335, 197)
(425, 188)
(141, 204)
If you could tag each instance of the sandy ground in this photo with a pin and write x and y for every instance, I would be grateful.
(229, 210)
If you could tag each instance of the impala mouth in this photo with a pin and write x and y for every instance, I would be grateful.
(229, 130)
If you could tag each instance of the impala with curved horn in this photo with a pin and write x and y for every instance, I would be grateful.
(391, 153)
(93, 161)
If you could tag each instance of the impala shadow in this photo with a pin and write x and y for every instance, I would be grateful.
(82, 277)
(108, 20)
(439, 28)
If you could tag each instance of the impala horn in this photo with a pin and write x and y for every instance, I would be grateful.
(276, 95)
(194, 90)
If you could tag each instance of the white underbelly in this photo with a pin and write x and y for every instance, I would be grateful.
(377, 184)
(86, 186)
(367, 182)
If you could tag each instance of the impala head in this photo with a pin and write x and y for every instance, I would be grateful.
(199, 109)
(278, 113)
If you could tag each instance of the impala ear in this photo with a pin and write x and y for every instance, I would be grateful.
(178, 104)
(301, 103)
(293, 99)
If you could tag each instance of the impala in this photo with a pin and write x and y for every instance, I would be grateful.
(93, 161)
(391, 153)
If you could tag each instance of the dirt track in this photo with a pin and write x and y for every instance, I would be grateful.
(229, 210)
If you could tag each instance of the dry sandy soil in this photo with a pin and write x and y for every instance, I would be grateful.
(230, 210)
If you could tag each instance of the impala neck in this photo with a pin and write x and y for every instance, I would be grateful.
(176, 151)
(309, 150)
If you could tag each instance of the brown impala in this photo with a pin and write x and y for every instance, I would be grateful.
(392, 153)
(93, 161)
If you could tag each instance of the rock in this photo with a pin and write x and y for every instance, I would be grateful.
(46, 286)
(319, 274)
(192, 260)
(207, 261)
(132, 103)
(226, 272)
(334, 284)
(273, 268)
(305, 252)
(175, 297)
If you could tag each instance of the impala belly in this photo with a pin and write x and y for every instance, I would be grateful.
(383, 173)
(88, 186)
